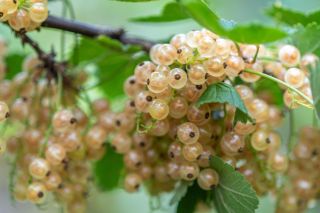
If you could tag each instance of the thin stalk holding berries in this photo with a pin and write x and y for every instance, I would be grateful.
(266, 76)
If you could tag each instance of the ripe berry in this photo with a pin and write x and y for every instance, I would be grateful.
(157, 82)
(258, 109)
(193, 38)
(223, 47)
(38, 12)
(215, 66)
(178, 40)
(71, 141)
(249, 77)
(178, 107)
(204, 158)
(9, 5)
(132, 87)
(191, 152)
(158, 109)
(197, 74)
(143, 100)
(177, 78)
(199, 115)
(289, 55)
(143, 71)
(133, 159)
(278, 162)
(53, 181)
(188, 133)
(208, 179)
(100, 106)
(175, 151)
(36, 193)
(206, 46)
(121, 142)
(164, 54)
(260, 140)
(132, 182)
(189, 171)
(185, 54)
(63, 120)
(159, 128)
(234, 65)
(19, 20)
(295, 77)
(232, 144)
(4, 111)
(39, 168)
(55, 154)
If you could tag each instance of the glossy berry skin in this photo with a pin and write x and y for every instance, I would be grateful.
(278, 162)
(39, 168)
(36, 193)
(134, 159)
(199, 115)
(234, 65)
(185, 54)
(197, 74)
(192, 152)
(208, 179)
(295, 77)
(19, 20)
(121, 143)
(38, 12)
(232, 144)
(132, 182)
(157, 82)
(289, 55)
(215, 66)
(63, 120)
(96, 137)
(158, 109)
(177, 78)
(178, 40)
(4, 111)
(189, 171)
(260, 140)
(178, 107)
(143, 71)
(258, 109)
(55, 154)
(188, 133)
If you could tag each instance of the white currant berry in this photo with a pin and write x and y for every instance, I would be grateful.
(295, 77)
(177, 78)
(38, 12)
(289, 55)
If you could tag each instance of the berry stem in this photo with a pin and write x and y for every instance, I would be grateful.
(93, 31)
(280, 82)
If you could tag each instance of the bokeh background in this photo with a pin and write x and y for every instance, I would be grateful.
(116, 14)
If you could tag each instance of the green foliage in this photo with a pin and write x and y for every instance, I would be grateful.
(114, 62)
(180, 192)
(189, 202)
(315, 87)
(292, 17)
(224, 93)
(108, 170)
(271, 87)
(171, 12)
(306, 39)
(233, 193)
(253, 33)
(13, 64)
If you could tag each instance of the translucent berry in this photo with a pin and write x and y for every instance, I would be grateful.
(36, 193)
(121, 143)
(244, 128)
(4, 111)
(278, 162)
(185, 54)
(178, 107)
(289, 55)
(191, 152)
(100, 106)
(55, 154)
(192, 92)
(295, 77)
(133, 159)
(189, 171)
(142, 141)
(177, 78)
(223, 47)
(143, 100)
(38, 12)
(10, 5)
(215, 66)
(71, 141)
(157, 82)
(208, 179)
(164, 54)
(132, 182)
(158, 109)
(258, 109)
(204, 159)
(159, 128)
(39, 168)
(206, 46)
(260, 140)
(143, 71)
(175, 151)
(178, 40)
(63, 120)
(53, 181)
(188, 133)
(232, 144)
(132, 87)
(193, 38)
(199, 115)
(249, 77)
(19, 20)
(234, 65)
(197, 74)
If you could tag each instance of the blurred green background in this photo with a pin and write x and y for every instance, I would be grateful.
(116, 14)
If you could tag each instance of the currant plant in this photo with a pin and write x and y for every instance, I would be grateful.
(200, 119)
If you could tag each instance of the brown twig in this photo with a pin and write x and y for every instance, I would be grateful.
(93, 31)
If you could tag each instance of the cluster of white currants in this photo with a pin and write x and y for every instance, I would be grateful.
(23, 14)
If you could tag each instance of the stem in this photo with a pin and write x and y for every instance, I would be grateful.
(280, 82)
(93, 31)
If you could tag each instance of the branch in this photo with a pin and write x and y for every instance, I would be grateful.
(93, 31)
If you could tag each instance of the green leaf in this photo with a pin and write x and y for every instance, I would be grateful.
(107, 171)
(272, 88)
(225, 93)
(171, 12)
(113, 61)
(306, 39)
(234, 193)
(189, 202)
(180, 192)
(292, 17)
(13, 63)
(315, 87)
(252, 33)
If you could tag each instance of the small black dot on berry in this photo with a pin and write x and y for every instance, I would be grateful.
(192, 134)
(190, 176)
(177, 77)
(149, 98)
(40, 194)
(199, 87)
(179, 51)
